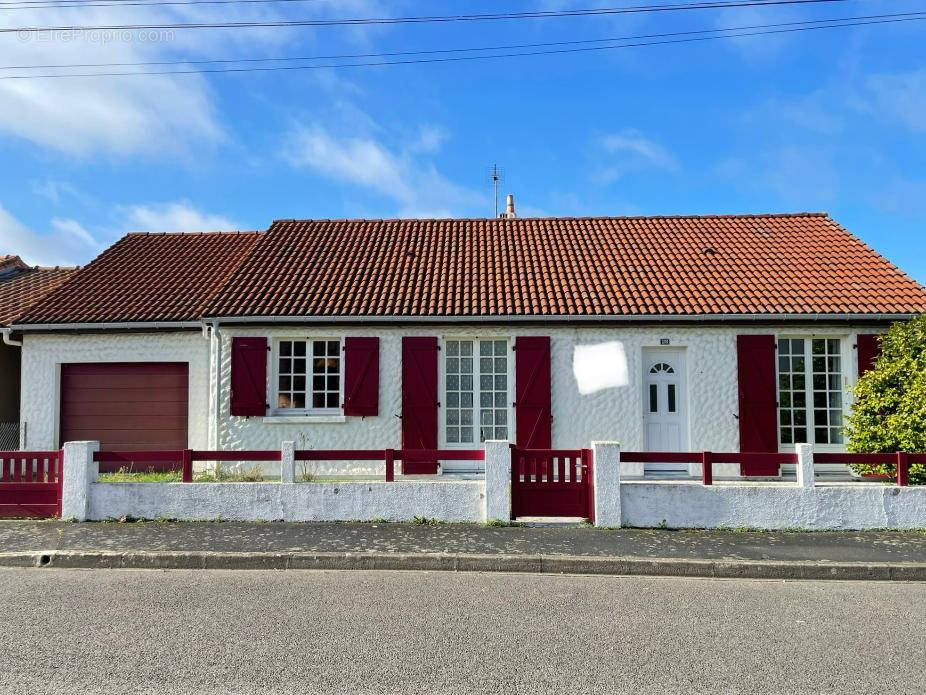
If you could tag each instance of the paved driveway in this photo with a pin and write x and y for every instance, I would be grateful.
(166, 632)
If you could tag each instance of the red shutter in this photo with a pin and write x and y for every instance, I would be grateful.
(419, 400)
(249, 376)
(533, 413)
(361, 376)
(758, 416)
(868, 348)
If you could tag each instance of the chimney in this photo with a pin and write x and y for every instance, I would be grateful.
(509, 213)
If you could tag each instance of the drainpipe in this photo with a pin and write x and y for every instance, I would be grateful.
(8, 339)
(216, 352)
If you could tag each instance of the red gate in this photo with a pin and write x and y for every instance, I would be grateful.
(552, 482)
(30, 484)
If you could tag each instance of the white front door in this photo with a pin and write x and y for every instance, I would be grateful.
(665, 418)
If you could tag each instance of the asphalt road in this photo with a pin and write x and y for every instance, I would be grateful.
(166, 632)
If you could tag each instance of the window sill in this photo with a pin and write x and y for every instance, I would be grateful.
(305, 419)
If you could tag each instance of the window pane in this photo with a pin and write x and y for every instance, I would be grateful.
(453, 399)
(318, 349)
(466, 399)
(500, 399)
(800, 435)
(785, 417)
(501, 348)
(466, 382)
(299, 400)
(453, 417)
(671, 398)
(485, 349)
(501, 382)
(501, 433)
(485, 382)
(485, 365)
(653, 398)
(466, 417)
(466, 348)
(299, 349)
(466, 434)
(820, 435)
(453, 435)
(318, 400)
(786, 435)
(299, 366)
(836, 435)
(286, 348)
(501, 417)
(453, 348)
(485, 399)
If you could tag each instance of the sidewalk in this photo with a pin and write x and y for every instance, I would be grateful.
(236, 545)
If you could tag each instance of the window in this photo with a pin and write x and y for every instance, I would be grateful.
(476, 390)
(309, 374)
(660, 368)
(810, 390)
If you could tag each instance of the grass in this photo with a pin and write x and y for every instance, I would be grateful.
(127, 475)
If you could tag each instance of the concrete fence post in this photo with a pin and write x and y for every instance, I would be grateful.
(804, 467)
(498, 481)
(80, 471)
(606, 477)
(288, 462)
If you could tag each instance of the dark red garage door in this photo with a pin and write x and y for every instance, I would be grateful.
(125, 406)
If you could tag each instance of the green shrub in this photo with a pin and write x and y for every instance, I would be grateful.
(890, 400)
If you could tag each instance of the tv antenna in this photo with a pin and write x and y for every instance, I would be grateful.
(496, 176)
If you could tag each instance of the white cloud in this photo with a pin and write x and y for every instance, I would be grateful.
(170, 217)
(68, 242)
(896, 97)
(629, 150)
(160, 115)
(401, 173)
(63, 244)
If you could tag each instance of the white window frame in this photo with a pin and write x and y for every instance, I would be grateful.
(845, 362)
(442, 385)
(275, 376)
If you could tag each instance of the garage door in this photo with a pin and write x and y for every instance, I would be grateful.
(128, 406)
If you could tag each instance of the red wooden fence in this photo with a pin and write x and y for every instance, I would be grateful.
(390, 456)
(707, 458)
(182, 460)
(552, 482)
(30, 484)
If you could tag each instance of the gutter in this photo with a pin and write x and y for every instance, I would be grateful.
(559, 318)
(123, 325)
(8, 337)
(474, 318)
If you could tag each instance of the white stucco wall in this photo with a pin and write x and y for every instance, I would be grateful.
(43, 355)
(688, 504)
(614, 413)
(398, 501)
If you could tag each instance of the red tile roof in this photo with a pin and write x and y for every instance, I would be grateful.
(762, 264)
(24, 288)
(147, 277)
(658, 266)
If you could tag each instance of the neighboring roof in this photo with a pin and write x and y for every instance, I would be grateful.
(712, 265)
(146, 277)
(22, 289)
(11, 264)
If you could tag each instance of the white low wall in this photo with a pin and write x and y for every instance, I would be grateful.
(398, 501)
(771, 506)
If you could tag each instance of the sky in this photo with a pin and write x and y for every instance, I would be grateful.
(831, 120)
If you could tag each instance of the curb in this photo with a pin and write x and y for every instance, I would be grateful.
(440, 562)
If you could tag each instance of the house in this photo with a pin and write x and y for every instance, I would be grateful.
(722, 333)
(21, 286)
